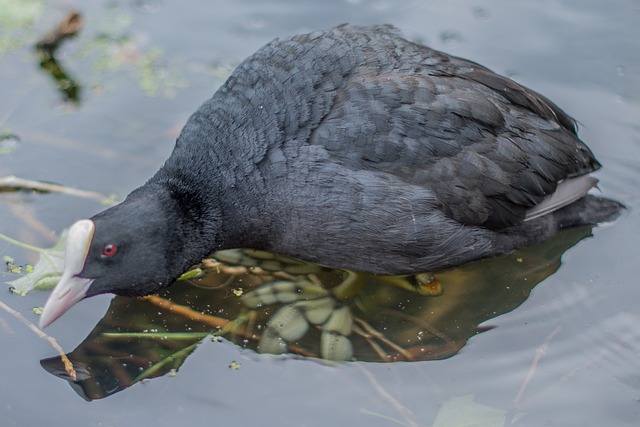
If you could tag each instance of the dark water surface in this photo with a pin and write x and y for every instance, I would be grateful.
(568, 355)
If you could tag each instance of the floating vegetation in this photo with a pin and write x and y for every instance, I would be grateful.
(8, 143)
(107, 42)
(17, 19)
(155, 77)
(45, 274)
(113, 48)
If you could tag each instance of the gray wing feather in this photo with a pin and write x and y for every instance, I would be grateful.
(567, 192)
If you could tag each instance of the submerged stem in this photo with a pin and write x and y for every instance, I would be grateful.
(171, 358)
(22, 244)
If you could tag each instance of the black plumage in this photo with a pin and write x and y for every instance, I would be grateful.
(357, 149)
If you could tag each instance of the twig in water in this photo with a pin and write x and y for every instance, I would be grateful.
(534, 364)
(406, 412)
(68, 366)
(566, 377)
(369, 332)
(615, 346)
(26, 216)
(13, 183)
(212, 321)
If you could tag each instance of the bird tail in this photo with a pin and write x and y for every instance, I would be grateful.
(589, 210)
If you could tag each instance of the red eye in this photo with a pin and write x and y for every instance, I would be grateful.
(109, 250)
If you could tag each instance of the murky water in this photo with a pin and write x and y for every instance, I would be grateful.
(559, 343)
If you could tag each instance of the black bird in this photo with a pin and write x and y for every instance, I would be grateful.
(352, 148)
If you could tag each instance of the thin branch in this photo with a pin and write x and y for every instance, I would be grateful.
(22, 244)
(403, 410)
(68, 366)
(383, 355)
(370, 332)
(223, 325)
(181, 310)
(616, 346)
(13, 183)
(540, 351)
(26, 216)
(564, 378)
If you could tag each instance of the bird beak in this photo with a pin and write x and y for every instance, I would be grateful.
(71, 288)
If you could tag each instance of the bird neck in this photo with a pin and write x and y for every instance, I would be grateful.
(194, 227)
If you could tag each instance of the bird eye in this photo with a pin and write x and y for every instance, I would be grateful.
(109, 250)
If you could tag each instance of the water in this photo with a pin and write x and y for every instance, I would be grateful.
(562, 353)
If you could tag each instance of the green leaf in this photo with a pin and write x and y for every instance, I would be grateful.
(17, 292)
(194, 273)
(47, 271)
(465, 412)
(11, 266)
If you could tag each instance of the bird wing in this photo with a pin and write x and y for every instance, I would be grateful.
(488, 148)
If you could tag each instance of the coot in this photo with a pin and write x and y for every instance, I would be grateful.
(353, 148)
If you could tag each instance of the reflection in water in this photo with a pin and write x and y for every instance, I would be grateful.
(276, 305)
(47, 48)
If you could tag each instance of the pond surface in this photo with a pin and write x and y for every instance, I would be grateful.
(524, 340)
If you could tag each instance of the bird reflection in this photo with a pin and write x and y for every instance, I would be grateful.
(276, 305)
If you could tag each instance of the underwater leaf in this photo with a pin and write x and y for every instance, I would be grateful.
(465, 412)
(47, 271)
